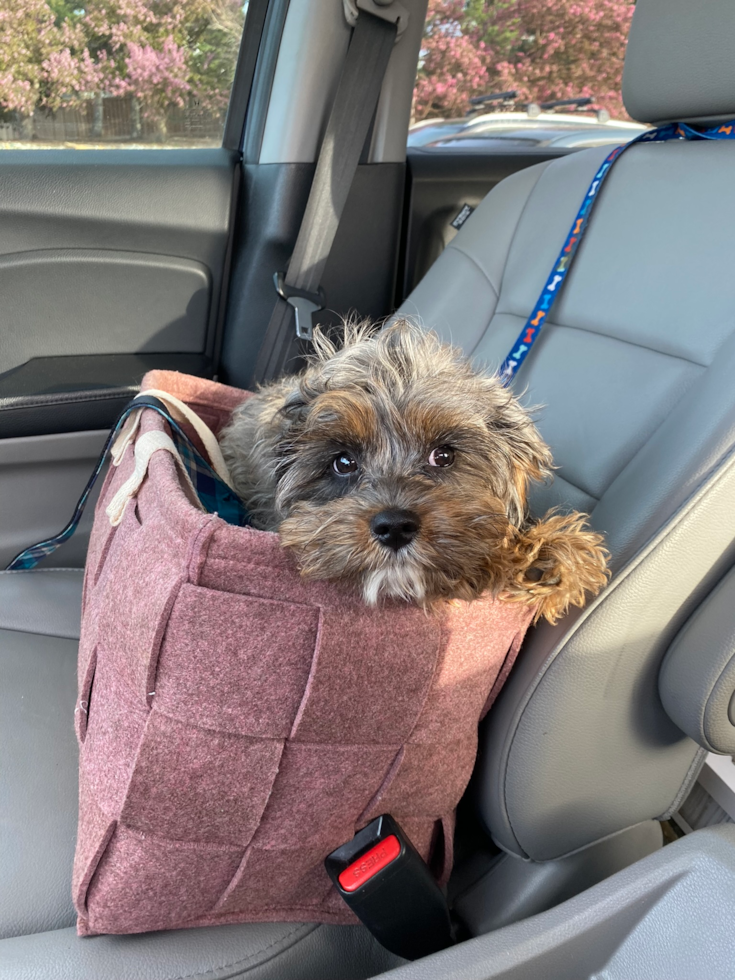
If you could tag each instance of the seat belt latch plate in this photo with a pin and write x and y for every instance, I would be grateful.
(304, 303)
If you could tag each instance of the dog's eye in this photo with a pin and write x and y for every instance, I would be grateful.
(441, 456)
(344, 464)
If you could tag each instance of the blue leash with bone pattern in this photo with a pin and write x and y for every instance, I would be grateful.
(542, 309)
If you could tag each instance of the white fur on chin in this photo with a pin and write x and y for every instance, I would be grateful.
(402, 580)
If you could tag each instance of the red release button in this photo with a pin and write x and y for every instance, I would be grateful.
(370, 864)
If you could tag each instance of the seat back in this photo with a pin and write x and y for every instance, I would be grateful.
(634, 375)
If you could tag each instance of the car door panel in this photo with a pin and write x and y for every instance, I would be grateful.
(112, 263)
(117, 252)
(101, 301)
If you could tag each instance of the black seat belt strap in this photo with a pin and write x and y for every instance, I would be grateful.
(299, 291)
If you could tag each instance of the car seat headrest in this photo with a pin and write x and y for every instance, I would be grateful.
(679, 63)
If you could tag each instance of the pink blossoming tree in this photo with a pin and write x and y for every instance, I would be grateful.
(42, 62)
(454, 62)
(165, 52)
(158, 53)
(545, 49)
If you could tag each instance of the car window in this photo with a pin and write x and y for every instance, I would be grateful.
(116, 73)
(489, 59)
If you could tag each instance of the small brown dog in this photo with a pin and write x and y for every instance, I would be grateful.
(392, 462)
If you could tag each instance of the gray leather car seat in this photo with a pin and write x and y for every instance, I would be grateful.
(635, 376)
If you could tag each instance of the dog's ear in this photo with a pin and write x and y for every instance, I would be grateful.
(294, 409)
(253, 446)
(518, 441)
(263, 429)
(294, 401)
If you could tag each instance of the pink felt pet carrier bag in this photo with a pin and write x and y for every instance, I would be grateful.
(236, 723)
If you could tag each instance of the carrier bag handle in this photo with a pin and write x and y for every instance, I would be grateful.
(182, 413)
(145, 446)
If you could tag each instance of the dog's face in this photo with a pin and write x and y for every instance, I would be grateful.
(398, 465)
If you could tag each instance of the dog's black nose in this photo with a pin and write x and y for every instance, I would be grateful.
(395, 528)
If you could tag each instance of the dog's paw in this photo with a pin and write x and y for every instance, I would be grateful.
(557, 562)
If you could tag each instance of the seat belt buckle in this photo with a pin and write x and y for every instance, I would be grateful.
(387, 884)
(304, 303)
